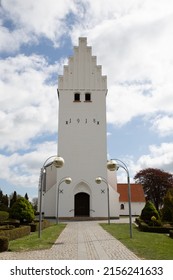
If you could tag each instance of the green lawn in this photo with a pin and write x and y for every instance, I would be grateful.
(32, 242)
(149, 246)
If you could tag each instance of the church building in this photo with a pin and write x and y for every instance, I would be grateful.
(82, 134)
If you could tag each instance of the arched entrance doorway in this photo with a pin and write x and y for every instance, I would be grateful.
(82, 204)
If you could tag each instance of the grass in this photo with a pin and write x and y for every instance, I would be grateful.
(32, 242)
(146, 245)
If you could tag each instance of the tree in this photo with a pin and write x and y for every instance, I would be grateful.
(13, 198)
(26, 196)
(22, 210)
(1, 196)
(3, 201)
(167, 211)
(155, 183)
(35, 203)
(4, 216)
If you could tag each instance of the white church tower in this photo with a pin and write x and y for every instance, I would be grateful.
(82, 141)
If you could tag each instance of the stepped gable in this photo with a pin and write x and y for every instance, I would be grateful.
(82, 71)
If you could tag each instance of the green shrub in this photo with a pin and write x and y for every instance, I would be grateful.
(4, 207)
(167, 210)
(33, 227)
(16, 232)
(4, 216)
(146, 228)
(138, 220)
(44, 224)
(22, 210)
(167, 214)
(159, 229)
(148, 212)
(4, 242)
(13, 222)
(6, 227)
(143, 226)
(154, 222)
(171, 233)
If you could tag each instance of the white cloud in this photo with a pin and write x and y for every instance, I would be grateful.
(160, 156)
(22, 170)
(11, 41)
(135, 49)
(163, 125)
(125, 102)
(28, 101)
(33, 19)
(132, 42)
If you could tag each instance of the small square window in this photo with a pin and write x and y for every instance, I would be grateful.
(87, 96)
(77, 97)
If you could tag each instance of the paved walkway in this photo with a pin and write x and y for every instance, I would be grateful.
(79, 241)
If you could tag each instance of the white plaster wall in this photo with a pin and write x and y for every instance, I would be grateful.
(49, 205)
(82, 134)
(50, 177)
(82, 144)
(136, 208)
(112, 179)
(114, 203)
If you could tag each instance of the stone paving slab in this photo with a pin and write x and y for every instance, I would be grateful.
(79, 240)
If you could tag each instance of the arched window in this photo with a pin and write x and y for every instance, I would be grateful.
(88, 97)
(77, 96)
(122, 206)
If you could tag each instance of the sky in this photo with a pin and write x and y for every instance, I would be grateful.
(133, 41)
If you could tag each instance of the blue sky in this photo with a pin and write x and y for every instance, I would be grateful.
(133, 42)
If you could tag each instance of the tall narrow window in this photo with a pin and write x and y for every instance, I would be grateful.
(77, 97)
(88, 97)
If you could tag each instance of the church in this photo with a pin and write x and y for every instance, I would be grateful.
(82, 133)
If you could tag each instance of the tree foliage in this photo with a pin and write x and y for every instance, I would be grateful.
(22, 210)
(13, 198)
(26, 196)
(148, 212)
(4, 216)
(7, 201)
(155, 183)
(3, 202)
(35, 203)
(167, 211)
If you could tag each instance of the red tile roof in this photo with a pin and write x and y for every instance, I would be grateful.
(137, 193)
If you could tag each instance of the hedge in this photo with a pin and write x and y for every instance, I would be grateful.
(144, 227)
(171, 233)
(6, 227)
(4, 215)
(33, 227)
(4, 242)
(138, 220)
(44, 224)
(12, 222)
(16, 232)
